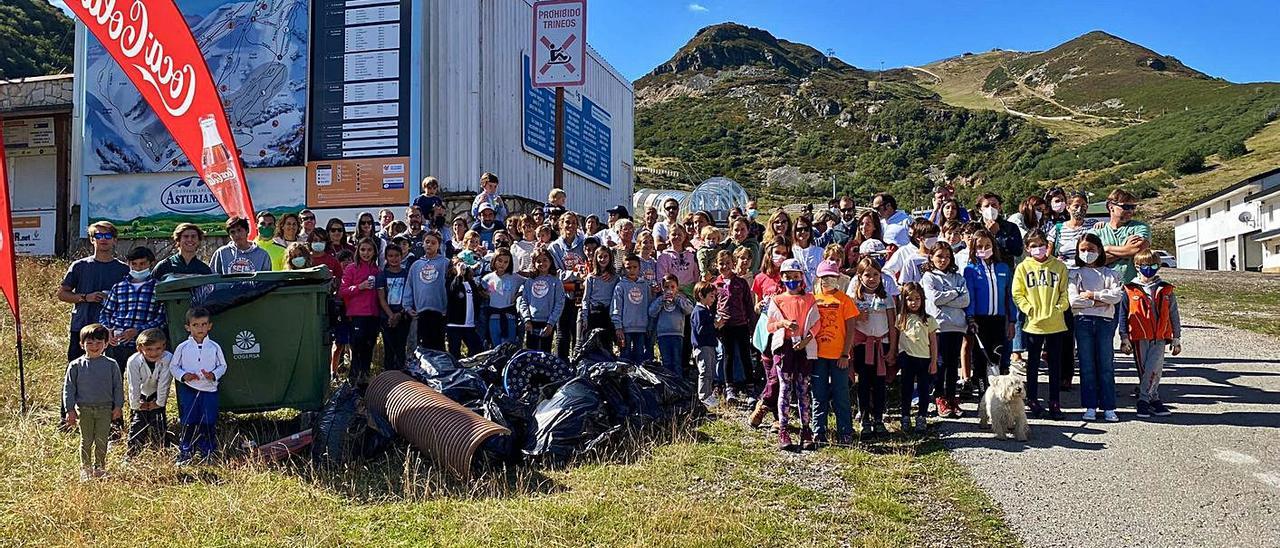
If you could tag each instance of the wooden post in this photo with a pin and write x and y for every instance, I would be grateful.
(558, 181)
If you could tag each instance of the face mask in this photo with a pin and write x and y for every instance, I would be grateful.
(777, 259)
(1039, 215)
(1148, 270)
(751, 214)
(957, 246)
(140, 275)
(792, 285)
(829, 284)
(266, 232)
(930, 242)
(317, 246)
(1088, 256)
(1078, 213)
(990, 213)
(1038, 252)
(1058, 206)
(984, 254)
(298, 262)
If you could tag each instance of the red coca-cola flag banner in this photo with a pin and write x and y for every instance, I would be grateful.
(8, 270)
(154, 46)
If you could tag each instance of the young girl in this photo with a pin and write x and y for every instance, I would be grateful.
(735, 310)
(540, 302)
(361, 300)
(426, 295)
(834, 254)
(793, 326)
(990, 309)
(918, 353)
(767, 284)
(297, 256)
(473, 252)
(946, 297)
(1040, 291)
(1095, 290)
(463, 314)
(571, 260)
(648, 258)
(875, 343)
(597, 294)
(630, 312)
(395, 325)
(502, 284)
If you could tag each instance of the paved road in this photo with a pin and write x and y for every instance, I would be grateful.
(1207, 476)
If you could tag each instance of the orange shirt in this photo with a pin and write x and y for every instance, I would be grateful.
(834, 309)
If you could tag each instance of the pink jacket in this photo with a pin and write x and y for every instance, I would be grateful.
(360, 302)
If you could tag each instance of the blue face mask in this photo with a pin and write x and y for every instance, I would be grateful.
(1149, 270)
(751, 214)
(140, 275)
(792, 285)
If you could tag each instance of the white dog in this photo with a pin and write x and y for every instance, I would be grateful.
(1004, 406)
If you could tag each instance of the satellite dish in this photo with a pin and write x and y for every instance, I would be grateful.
(1246, 217)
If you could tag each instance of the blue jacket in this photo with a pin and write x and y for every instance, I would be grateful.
(425, 289)
(541, 300)
(630, 309)
(703, 327)
(981, 302)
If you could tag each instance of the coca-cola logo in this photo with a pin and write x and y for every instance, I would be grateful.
(188, 195)
(175, 85)
(219, 177)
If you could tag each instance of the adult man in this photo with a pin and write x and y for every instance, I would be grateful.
(87, 280)
(650, 217)
(308, 221)
(265, 241)
(1008, 237)
(896, 224)
(487, 225)
(757, 229)
(384, 220)
(942, 193)
(241, 255)
(187, 238)
(1122, 237)
(489, 195)
(415, 231)
(671, 209)
(847, 228)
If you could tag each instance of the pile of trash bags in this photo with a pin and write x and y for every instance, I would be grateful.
(555, 410)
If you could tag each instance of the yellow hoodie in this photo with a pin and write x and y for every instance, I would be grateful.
(1040, 291)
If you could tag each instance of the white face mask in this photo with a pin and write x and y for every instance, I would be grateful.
(1088, 256)
(1039, 215)
(983, 254)
(829, 283)
(1038, 252)
(1058, 206)
(990, 213)
(930, 242)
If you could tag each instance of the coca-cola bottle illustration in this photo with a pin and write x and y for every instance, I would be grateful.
(219, 173)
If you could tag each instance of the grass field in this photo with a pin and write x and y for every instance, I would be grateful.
(715, 483)
(1245, 300)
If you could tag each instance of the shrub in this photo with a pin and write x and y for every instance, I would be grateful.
(1185, 163)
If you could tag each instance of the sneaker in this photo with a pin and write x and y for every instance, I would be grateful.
(906, 424)
(956, 412)
(784, 439)
(1090, 415)
(1110, 416)
(944, 409)
(85, 475)
(867, 429)
(1158, 409)
(806, 440)
(1055, 412)
(1144, 410)
(711, 402)
(922, 423)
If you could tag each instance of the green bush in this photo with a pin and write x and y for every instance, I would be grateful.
(1185, 163)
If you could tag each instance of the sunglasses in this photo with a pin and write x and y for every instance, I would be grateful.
(848, 210)
(1126, 207)
(337, 230)
(802, 230)
(103, 236)
(366, 223)
(308, 218)
(672, 209)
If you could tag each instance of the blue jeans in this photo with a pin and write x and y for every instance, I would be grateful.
(670, 348)
(502, 328)
(637, 350)
(830, 387)
(1097, 362)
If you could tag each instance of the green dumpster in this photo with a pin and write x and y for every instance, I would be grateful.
(272, 327)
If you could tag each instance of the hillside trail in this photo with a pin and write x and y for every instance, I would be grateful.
(1209, 475)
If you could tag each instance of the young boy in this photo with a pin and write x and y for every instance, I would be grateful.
(131, 306)
(198, 364)
(905, 263)
(735, 306)
(1149, 322)
(93, 395)
(708, 252)
(836, 312)
(147, 374)
(429, 202)
(793, 325)
(390, 284)
(702, 330)
(630, 311)
(670, 310)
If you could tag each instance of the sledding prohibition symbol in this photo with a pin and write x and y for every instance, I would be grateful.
(560, 55)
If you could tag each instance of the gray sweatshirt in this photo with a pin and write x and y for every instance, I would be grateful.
(630, 308)
(425, 288)
(93, 382)
(228, 259)
(502, 289)
(541, 299)
(945, 296)
(1106, 287)
(671, 316)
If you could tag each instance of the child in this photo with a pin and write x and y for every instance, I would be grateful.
(502, 284)
(360, 297)
(131, 306)
(395, 323)
(465, 306)
(702, 330)
(742, 240)
(1149, 322)
(429, 203)
(630, 312)
(597, 294)
(835, 343)
(905, 263)
(835, 255)
(1094, 291)
(953, 233)
(541, 302)
(198, 364)
(425, 295)
(489, 196)
(708, 251)
(297, 257)
(793, 324)
(1040, 291)
(946, 297)
(648, 258)
(147, 374)
(991, 312)
(570, 256)
(670, 311)
(735, 310)
(875, 343)
(918, 357)
(522, 251)
(93, 395)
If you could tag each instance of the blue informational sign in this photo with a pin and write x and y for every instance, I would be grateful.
(588, 132)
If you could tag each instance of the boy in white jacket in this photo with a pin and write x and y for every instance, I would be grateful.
(198, 363)
(147, 374)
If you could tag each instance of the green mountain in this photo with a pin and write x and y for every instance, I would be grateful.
(1093, 113)
(35, 39)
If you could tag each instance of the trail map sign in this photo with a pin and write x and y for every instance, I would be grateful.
(559, 43)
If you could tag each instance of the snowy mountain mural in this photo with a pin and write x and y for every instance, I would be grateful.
(257, 54)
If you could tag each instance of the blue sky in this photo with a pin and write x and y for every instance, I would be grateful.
(1232, 39)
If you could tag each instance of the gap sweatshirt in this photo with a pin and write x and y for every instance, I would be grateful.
(1040, 291)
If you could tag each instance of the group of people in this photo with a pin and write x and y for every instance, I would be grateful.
(792, 313)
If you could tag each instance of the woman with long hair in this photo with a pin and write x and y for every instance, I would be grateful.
(779, 225)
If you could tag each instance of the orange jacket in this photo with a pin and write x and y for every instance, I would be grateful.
(1149, 319)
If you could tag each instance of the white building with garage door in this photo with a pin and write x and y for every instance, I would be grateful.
(1236, 228)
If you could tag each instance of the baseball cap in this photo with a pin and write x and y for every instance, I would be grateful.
(828, 268)
(618, 210)
(791, 265)
(486, 206)
(871, 246)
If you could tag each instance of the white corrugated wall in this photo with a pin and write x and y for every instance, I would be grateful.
(452, 88)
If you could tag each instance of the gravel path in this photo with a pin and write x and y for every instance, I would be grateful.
(1207, 476)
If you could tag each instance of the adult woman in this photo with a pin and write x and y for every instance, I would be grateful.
(679, 260)
(366, 227)
(1031, 216)
(868, 229)
(339, 247)
(1064, 235)
(779, 225)
(1008, 237)
(453, 240)
(289, 229)
(803, 249)
(624, 244)
(948, 210)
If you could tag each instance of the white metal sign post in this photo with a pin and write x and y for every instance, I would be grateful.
(559, 58)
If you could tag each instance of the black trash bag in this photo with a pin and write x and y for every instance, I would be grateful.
(596, 347)
(342, 434)
(674, 394)
(571, 421)
(222, 296)
(494, 360)
(509, 412)
(441, 372)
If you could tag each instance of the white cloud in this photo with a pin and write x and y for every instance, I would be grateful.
(698, 8)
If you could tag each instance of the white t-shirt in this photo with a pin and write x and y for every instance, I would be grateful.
(470, 320)
(905, 264)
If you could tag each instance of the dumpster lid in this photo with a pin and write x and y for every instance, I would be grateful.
(310, 276)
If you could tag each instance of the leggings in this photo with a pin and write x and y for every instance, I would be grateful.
(364, 336)
(769, 395)
(431, 330)
(948, 364)
(793, 382)
(915, 373)
(567, 335)
(871, 391)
